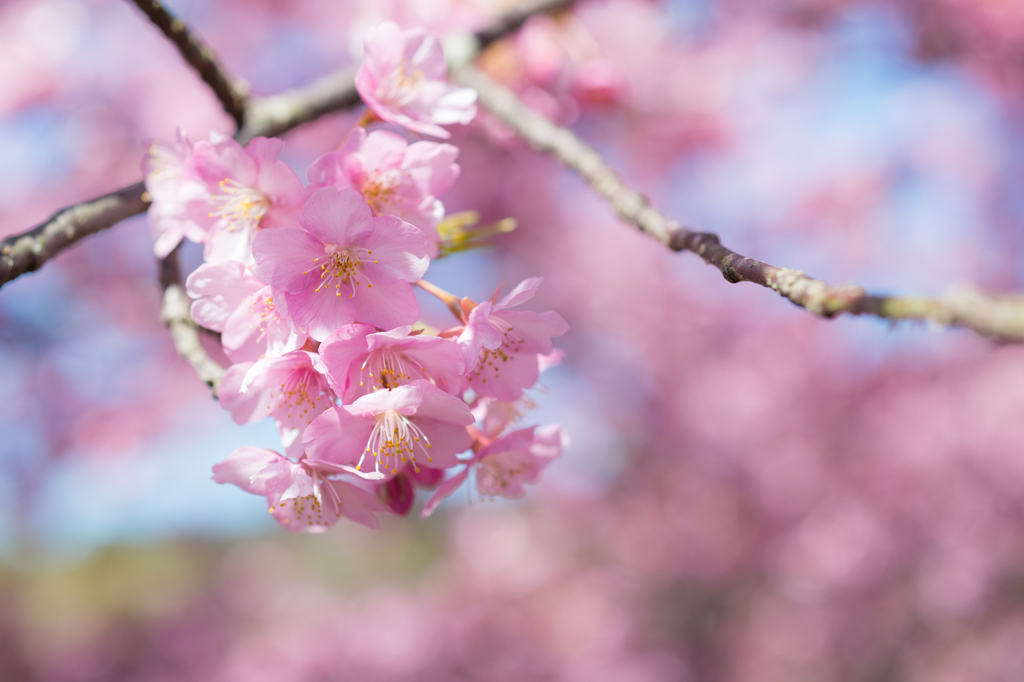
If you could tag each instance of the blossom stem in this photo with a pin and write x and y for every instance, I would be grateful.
(368, 118)
(453, 302)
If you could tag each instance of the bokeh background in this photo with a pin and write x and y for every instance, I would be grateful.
(752, 494)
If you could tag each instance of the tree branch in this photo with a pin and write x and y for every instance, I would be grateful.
(998, 317)
(232, 95)
(174, 313)
(28, 251)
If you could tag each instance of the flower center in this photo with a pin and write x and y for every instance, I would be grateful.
(240, 207)
(496, 473)
(402, 85)
(339, 268)
(490, 361)
(263, 305)
(378, 189)
(394, 441)
(299, 394)
(389, 369)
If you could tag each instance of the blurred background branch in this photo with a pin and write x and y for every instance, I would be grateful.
(998, 317)
(232, 94)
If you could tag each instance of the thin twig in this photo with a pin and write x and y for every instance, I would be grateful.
(232, 94)
(269, 116)
(174, 313)
(998, 317)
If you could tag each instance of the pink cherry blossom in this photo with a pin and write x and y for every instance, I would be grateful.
(505, 466)
(403, 81)
(180, 202)
(417, 423)
(501, 346)
(300, 496)
(291, 388)
(251, 319)
(395, 177)
(344, 265)
(360, 361)
(251, 189)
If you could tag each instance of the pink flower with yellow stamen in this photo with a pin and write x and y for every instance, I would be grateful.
(343, 265)
(418, 425)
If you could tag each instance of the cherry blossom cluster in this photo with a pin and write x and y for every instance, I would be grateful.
(311, 289)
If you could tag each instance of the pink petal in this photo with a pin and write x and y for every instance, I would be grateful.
(504, 378)
(245, 462)
(424, 51)
(383, 46)
(432, 166)
(382, 150)
(441, 358)
(284, 479)
(399, 251)
(443, 491)
(478, 333)
(533, 331)
(244, 407)
(523, 292)
(446, 440)
(345, 346)
(337, 436)
(285, 259)
(386, 307)
(220, 289)
(355, 503)
(319, 313)
(457, 105)
(341, 168)
(337, 216)
(436, 404)
(223, 159)
(405, 400)
(274, 178)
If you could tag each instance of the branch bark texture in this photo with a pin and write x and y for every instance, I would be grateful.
(27, 252)
(998, 317)
(176, 316)
(232, 94)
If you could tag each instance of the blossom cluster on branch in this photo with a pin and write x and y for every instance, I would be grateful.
(311, 289)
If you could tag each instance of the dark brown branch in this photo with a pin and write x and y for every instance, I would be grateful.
(28, 251)
(513, 20)
(999, 317)
(174, 313)
(232, 95)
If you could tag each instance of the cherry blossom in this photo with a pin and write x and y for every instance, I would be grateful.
(501, 346)
(251, 189)
(344, 265)
(403, 81)
(395, 177)
(291, 388)
(300, 497)
(360, 360)
(251, 319)
(418, 424)
(503, 464)
(179, 200)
